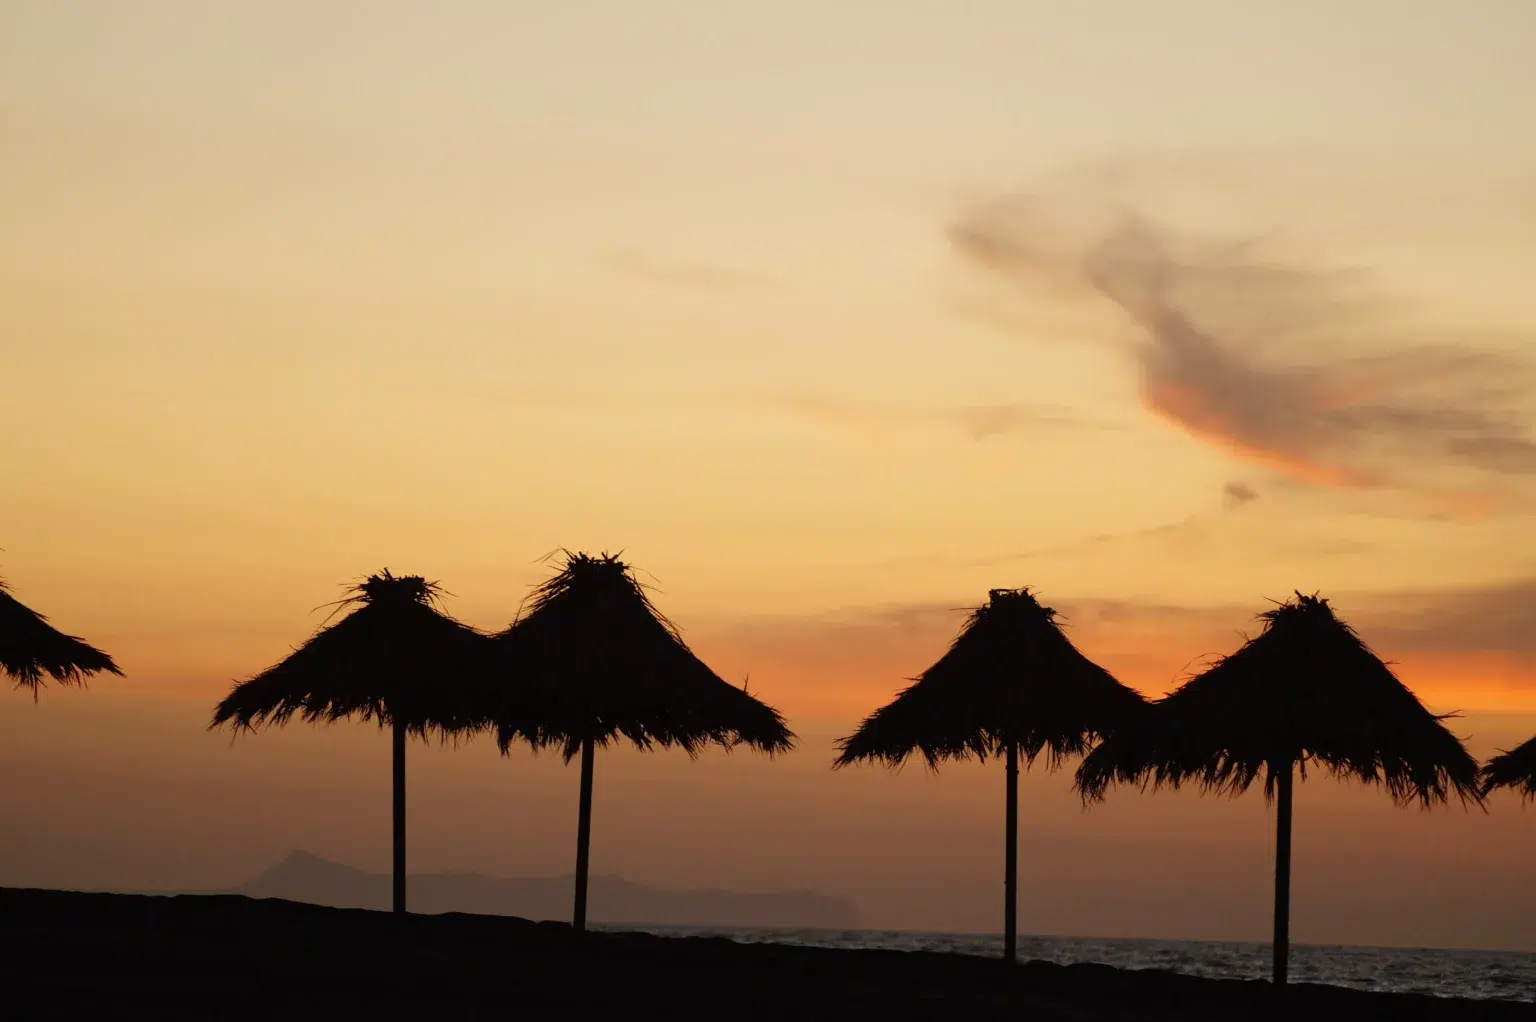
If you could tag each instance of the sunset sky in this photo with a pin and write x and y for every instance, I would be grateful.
(830, 315)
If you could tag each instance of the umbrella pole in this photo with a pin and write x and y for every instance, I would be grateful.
(583, 837)
(399, 771)
(1011, 868)
(1282, 941)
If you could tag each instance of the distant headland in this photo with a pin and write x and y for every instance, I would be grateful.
(304, 877)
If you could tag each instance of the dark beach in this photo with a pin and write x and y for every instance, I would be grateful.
(72, 955)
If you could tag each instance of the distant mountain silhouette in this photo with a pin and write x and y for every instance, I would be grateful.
(308, 878)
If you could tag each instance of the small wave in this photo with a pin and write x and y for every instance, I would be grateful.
(1502, 975)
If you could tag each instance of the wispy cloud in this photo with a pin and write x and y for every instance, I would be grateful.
(1237, 494)
(1492, 618)
(978, 421)
(1288, 366)
(689, 276)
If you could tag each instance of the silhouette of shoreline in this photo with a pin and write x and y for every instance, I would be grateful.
(74, 955)
(308, 878)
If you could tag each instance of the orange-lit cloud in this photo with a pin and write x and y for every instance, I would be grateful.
(1191, 409)
(1283, 366)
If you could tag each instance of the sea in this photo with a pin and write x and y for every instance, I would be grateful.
(1440, 972)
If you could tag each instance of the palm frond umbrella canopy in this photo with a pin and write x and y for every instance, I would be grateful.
(1513, 769)
(1011, 684)
(593, 663)
(1305, 691)
(32, 649)
(395, 659)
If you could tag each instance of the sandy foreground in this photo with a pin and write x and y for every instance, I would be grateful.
(67, 955)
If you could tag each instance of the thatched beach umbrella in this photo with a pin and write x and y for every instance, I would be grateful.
(1513, 769)
(1306, 690)
(1011, 683)
(30, 648)
(395, 659)
(592, 663)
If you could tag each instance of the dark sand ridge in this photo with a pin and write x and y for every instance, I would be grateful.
(69, 956)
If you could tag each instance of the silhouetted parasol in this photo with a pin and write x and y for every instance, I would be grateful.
(592, 662)
(395, 659)
(30, 648)
(1010, 683)
(1305, 690)
(1513, 769)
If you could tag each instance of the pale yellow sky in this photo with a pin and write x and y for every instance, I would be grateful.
(293, 291)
